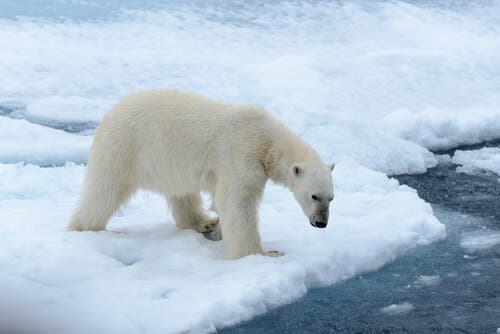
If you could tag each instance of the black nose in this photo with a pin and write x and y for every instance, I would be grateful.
(320, 224)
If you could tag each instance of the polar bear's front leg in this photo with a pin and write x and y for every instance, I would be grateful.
(238, 222)
(238, 219)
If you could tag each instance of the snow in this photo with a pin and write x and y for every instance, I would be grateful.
(382, 82)
(479, 240)
(427, 280)
(397, 309)
(160, 279)
(21, 140)
(372, 86)
(486, 159)
(441, 129)
(56, 109)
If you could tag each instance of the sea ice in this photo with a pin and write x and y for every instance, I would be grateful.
(71, 108)
(396, 309)
(474, 161)
(427, 280)
(381, 83)
(478, 240)
(65, 112)
(146, 274)
(21, 140)
(440, 129)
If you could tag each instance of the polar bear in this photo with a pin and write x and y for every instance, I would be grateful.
(179, 144)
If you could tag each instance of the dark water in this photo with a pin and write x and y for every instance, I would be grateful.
(464, 299)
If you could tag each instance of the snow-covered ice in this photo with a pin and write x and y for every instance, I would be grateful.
(21, 140)
(373, 86)
(381, 82)
(486, 159)
(71, 108)
(440, 129)
(396, 309)
(145, 274)
(56, 111)
(479, 240)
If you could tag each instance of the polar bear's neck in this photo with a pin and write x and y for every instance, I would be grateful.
(284, 151)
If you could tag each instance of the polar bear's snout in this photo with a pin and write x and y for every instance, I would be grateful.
(319, 220)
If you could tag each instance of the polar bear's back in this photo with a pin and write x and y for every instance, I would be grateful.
(169, 108)
(170, 139)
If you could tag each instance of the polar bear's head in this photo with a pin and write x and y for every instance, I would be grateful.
(312, 187)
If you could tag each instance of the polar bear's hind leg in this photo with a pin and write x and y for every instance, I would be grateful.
(102, 197)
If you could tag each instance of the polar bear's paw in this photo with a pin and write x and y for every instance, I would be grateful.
(211, 230)
(208, 226)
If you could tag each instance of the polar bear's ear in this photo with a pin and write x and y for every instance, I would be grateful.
(297, 170)
(332, 167)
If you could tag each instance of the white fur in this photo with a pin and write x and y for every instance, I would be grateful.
(180, 144)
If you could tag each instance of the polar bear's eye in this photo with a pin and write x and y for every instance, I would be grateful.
(297, 170)
(315, 198)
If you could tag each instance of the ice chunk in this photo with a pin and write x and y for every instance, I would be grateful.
(396, 309)
(478, 240)
(373, 148)
(473, 161)
(441, 129)
(21, 140)
(424, 280)
(69, 109)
